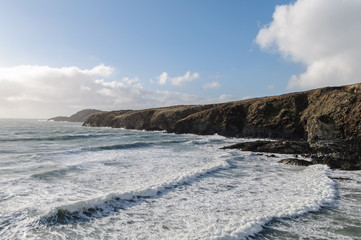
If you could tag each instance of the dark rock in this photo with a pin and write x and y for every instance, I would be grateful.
(344, 155)
(285, 147)
(340, 154)
(338, 163)
(341, 178)
(295, 161)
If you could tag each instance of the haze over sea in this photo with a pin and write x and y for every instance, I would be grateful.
(63, 181)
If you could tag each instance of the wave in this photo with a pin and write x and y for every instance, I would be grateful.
(54, 138)
(55, 173)
(137, 144)
(206, 140)
(318, 192)
(102, 206)
(119, 146)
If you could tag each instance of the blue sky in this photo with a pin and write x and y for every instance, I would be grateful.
(209, 46)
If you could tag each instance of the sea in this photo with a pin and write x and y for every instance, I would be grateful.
(60, 180)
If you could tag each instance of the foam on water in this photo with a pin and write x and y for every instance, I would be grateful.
(218, 207)
(104, 205)
(340, 220)
(150, 185)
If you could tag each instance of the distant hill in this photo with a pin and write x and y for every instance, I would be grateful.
(80, 116)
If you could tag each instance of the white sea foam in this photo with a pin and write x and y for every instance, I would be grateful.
(169, 187)
(217, 207)
(178, 179)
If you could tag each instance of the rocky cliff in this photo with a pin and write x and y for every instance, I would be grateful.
(323, 114)
(328, 119)
(80, 116)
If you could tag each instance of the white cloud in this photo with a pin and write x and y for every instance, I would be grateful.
(188, 77)
(211, 85)
(177, 81)
(43, 91)
(163, 78)
(324, 35)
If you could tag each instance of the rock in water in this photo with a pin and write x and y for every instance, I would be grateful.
(295, 161)
(285, 147)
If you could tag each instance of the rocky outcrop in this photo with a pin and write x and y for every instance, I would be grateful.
(80, 116)
(296, 162)
(326, 119)
(344, 155)
(284, 147)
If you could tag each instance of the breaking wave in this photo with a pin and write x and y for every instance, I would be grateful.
(105, 205)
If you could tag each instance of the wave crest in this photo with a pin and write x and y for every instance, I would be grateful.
(102, 206)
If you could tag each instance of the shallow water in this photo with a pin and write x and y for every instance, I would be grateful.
(64, 181)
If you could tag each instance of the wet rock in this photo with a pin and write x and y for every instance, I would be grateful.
(295, 161)
(285, 147)
(341, 178)
(338, 163)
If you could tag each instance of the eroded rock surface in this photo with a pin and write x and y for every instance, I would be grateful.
(295, 161)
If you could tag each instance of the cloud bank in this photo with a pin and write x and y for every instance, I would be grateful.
(324, 35)
(43, 91)
(177, 81)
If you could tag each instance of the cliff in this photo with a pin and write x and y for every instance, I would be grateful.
(328, 119)
(80, 116)
(322, 114)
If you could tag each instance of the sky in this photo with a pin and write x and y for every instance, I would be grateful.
(59, 57)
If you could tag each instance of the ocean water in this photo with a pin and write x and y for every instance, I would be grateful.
(64, 181)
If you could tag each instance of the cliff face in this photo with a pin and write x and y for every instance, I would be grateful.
(80, 116)
(333, 113)
(274, 117)
(324, 114)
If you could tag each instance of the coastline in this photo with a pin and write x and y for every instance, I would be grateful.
(244, 176)
(325, 122)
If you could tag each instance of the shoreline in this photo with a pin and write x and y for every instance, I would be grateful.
(324, 122)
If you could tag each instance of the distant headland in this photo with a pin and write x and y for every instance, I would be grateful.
(80, 116)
